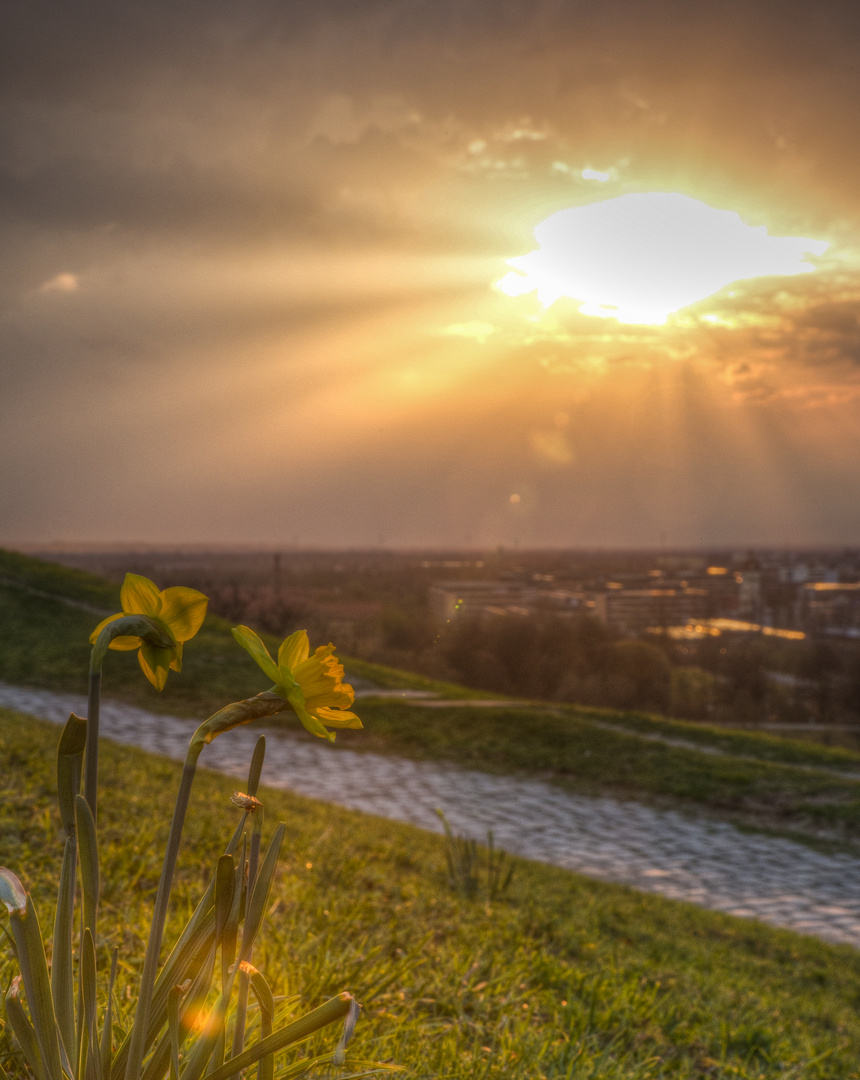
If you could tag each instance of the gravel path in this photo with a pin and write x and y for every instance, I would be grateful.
(694, 859)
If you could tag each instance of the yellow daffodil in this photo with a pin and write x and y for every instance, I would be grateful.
(312, 685)
(175, 615)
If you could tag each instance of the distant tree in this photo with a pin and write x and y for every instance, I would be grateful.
(636, 675)
(821, 666)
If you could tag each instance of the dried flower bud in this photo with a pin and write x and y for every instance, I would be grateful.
(244, 967)
(245, 802)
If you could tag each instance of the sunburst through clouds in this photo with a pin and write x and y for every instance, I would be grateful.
(640, 257)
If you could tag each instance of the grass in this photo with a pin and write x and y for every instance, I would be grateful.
(788, 785)
(561, 977)
(731, 741)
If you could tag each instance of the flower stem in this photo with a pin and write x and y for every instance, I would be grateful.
(137, 1046)
(91, 765)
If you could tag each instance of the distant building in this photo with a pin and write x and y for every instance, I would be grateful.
(451, 600)
(748, 577)
(831, 607)
(635, 610)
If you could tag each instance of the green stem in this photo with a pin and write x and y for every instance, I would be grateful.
(91, 765)
(137, 1047)
(244, 980)
(147, 629)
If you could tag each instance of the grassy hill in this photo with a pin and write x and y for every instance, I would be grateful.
(48, 611)
(561, 977)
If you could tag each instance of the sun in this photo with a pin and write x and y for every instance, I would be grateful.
(638, 258)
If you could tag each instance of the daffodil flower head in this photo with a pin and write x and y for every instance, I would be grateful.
(156, 623)
(313, 685)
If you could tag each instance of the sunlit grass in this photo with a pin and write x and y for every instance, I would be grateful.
(561, 977)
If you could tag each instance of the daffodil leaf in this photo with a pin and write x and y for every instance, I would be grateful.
(251, 643)
(183, 610)
(337, 718)
(294, 650)
(140, 596)
(155, 664)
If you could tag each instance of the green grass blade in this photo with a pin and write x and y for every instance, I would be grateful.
(328, 1013)
(225, 878)
(89, 849)
(186, 964)
(62, 973)
(263, 994)
(37, 986)
(241, 1012)
(70, 757)
(230, 933)
(244, 983)
(256, 765)
(206, 1042)
(258, 903)
(91, 1062)
(219, 1053)
(173, 1000)
(195, 1001)
(106, 1045)
(23, 1029)
(254, 856)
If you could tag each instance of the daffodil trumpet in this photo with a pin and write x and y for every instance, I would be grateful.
(154, 622)
(313, 686)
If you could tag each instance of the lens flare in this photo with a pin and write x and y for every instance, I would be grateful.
(637, 258)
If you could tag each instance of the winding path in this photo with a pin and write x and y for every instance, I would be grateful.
(699, 860)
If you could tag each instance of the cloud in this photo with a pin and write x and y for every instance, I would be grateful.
(271, 210)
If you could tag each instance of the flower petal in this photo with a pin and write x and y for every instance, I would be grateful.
(125, 643)
(294, 650)
(139, 596)
(183, 610)
(337, 718)
(249, 641)
(155, 664)
(309, 721)
(176, 657)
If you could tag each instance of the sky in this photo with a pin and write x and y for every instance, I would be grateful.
(250, 255)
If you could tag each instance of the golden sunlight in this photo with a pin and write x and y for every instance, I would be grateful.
(638, 258)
